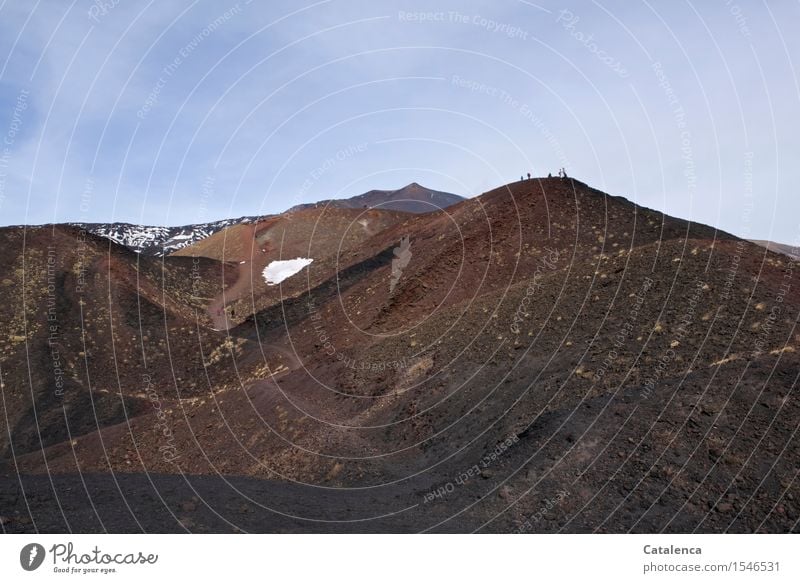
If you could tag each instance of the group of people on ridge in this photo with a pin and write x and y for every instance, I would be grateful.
(561, 174)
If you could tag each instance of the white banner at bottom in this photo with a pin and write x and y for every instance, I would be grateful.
(370, 558)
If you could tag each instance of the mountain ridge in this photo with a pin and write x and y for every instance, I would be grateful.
(159, 241)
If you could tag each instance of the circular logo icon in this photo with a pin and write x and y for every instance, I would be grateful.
(31, 556)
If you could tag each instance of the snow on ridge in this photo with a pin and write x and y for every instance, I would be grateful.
(158, 241)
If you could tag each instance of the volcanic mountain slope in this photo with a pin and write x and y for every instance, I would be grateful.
(412, 198)
(89, 328)
(544, 357)
(322, 234)
(790, 250)
(311, 232)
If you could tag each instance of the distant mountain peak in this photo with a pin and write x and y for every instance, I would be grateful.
(412, 198)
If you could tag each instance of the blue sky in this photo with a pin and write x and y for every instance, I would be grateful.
(181, 112)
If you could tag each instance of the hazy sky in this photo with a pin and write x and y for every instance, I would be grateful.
(180, 112)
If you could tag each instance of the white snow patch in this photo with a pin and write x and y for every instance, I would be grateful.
(277, 271)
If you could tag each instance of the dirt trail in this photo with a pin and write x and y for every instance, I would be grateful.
(249, 270)
(250, 267)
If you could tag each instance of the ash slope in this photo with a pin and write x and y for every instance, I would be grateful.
(790, 250)
(550, 359)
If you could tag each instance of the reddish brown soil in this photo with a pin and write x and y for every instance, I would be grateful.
(606, 368)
